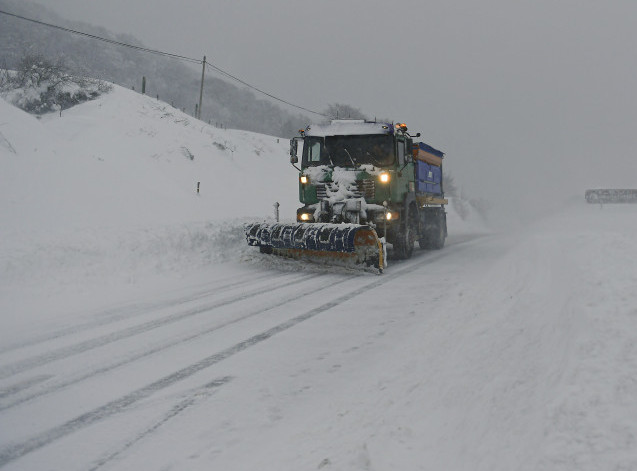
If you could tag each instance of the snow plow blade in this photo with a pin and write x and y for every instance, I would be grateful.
(611, 196)
(348, 245)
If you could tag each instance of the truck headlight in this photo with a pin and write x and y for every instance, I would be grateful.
(306, 217)
(384, 177)
(303, 179)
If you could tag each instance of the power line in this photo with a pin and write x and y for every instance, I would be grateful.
(100, 38)
(214, 67)
(161, 53)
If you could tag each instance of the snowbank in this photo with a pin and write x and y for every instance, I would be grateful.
(107, 193)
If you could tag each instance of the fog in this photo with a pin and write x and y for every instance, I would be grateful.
(532, 101)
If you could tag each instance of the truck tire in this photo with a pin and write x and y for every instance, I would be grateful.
(435, 240)
(435, 230)
(406, 239)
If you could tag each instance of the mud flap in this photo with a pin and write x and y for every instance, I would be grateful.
(349, 245)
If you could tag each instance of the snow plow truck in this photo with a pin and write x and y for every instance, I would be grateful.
(369, 191)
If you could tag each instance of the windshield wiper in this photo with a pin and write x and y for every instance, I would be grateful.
(374, 159)
(350, 157)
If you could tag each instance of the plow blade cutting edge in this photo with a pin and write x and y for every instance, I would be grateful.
(348, 245)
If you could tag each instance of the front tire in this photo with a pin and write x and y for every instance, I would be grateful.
(405, 239)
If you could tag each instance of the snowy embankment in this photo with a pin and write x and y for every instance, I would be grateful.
(106, 194)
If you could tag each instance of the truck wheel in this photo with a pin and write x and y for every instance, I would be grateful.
(435, 232)
(405, 240)
(438, 238)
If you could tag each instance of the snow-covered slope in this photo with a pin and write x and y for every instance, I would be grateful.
(155, 153)
(107, 193)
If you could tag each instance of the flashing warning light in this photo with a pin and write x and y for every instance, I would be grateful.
(401, 127)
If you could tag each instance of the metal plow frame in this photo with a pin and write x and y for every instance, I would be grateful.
(347, 245)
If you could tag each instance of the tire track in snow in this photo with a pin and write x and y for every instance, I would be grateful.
(22, 385)
(195, 396)
(125, 312)
(166, 345)
(38, 360)
(13, 452)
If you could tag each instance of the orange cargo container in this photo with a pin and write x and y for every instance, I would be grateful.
(427, 154)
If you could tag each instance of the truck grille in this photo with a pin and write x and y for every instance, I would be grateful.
(362, 189)
(367, 188)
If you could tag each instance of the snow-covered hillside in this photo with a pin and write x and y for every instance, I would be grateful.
(144, 146)
(107, 193)
(137, 331)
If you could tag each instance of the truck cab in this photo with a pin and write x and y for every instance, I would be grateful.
(361, 172)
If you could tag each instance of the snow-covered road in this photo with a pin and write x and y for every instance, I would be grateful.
(124, 355)
(498, 352)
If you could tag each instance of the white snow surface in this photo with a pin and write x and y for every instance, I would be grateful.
(137, 331)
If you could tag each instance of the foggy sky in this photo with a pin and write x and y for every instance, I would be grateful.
(532, 101)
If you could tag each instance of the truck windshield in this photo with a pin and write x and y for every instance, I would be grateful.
(349, 151)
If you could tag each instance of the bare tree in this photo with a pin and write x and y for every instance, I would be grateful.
(34, 70)
(342, 111)
(40, 85)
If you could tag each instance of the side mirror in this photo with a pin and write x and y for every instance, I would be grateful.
(293, 149)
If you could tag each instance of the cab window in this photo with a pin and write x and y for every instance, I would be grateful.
(314, 152)
(401, 153)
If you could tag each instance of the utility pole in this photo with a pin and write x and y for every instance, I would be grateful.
(203, 70)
